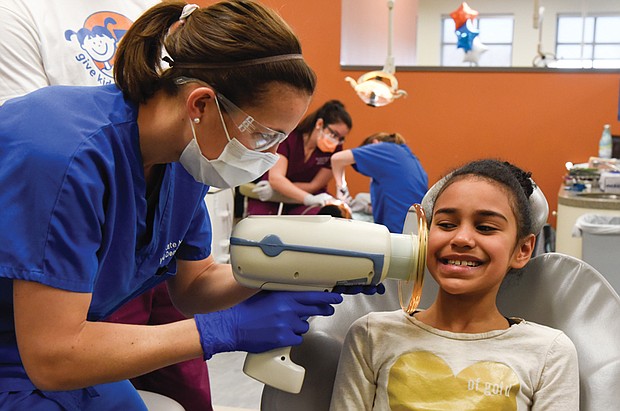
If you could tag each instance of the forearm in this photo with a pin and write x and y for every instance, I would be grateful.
(280, 183)
(339, 177)
(287, 188)
(339, 161)
(319, 182)
(60, 350)
(307, 187)
(104, 352)
(205, 286)
(313, 186)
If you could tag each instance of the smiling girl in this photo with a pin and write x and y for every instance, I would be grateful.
(462, 353)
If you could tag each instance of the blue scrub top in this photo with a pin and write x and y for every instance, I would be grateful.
(74, 207)
(397, 181)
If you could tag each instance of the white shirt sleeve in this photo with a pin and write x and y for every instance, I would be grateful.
(21, 64)
(559, 378)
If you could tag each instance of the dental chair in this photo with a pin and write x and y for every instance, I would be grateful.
(553, 289)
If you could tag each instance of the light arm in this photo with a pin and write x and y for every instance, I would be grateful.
(280, 183)
(205, 286)
(61, 350)
(339, 161)
(320, 180)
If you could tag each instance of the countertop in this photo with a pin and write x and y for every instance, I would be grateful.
(592, 198)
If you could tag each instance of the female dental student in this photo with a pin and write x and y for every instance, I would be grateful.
(103, 199)
(303, 168)
(44, 46)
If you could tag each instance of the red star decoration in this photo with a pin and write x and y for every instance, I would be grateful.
(462, 14)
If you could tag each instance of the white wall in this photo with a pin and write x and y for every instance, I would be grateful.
(365, 32)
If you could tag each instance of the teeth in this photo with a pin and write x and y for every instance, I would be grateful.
(467, 263)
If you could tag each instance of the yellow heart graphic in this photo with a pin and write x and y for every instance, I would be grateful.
(421, 381)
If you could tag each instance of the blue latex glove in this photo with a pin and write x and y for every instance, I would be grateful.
(268, 320)
(357, 289)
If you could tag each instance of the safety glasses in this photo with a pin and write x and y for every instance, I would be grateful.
(261, 137)
(334, 136)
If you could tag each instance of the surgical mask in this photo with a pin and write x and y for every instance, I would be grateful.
(235, 166)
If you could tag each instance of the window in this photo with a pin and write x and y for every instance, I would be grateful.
(496, 33)
(588, 42)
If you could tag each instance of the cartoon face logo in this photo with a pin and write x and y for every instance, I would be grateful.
(98, 39)
(99, 44)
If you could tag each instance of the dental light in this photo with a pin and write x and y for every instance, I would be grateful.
(379, 88)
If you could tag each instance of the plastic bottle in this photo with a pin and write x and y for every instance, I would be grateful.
(604, 145)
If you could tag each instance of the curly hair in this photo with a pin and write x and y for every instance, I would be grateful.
(514, 180)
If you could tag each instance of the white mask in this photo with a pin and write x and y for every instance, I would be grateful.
(235, 166)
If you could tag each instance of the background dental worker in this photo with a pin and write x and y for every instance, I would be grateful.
(44, 45)
(398, 179)
(103, 199)
(303, 168)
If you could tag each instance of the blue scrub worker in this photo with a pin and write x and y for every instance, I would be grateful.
(103, 198)
(398, 179)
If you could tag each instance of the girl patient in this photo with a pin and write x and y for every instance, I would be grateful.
(462, 353)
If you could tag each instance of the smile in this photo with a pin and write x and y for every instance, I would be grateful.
(463, 263)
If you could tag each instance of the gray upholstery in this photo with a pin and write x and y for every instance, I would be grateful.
(567, 293)
(553, 289)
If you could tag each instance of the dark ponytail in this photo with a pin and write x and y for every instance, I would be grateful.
(331, 112)
(138, 62)
(213, 44)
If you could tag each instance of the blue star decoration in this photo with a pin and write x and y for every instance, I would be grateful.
(465, 36)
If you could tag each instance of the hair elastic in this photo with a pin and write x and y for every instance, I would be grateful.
(188, 9)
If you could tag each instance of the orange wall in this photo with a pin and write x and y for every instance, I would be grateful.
(536, 120)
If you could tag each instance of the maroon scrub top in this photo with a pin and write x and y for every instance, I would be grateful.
(298, 171)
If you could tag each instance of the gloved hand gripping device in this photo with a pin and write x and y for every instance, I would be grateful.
(301, 253)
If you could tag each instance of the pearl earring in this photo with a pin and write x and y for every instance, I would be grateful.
(196, 120)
